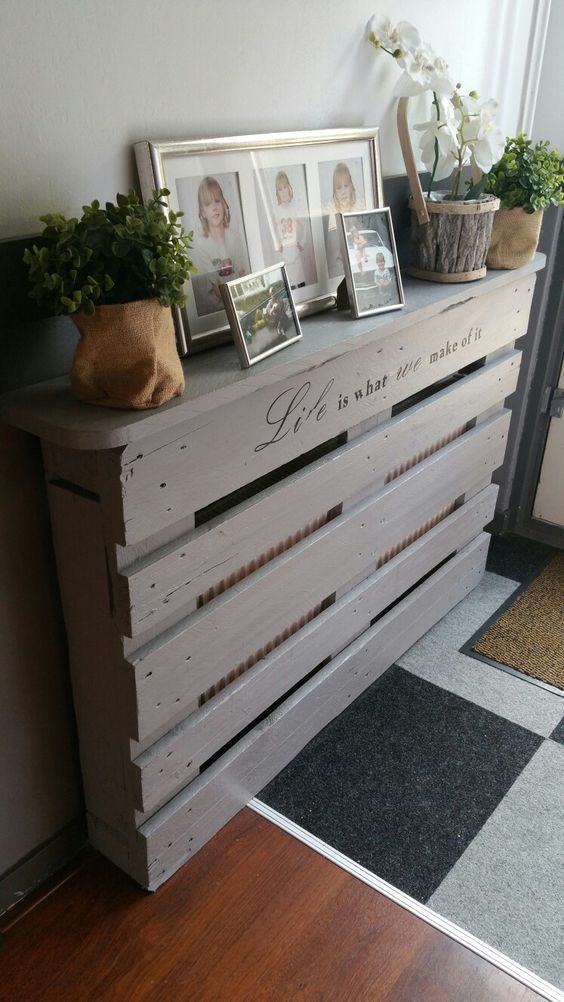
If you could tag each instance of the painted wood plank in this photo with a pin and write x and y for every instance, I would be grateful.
(242, 441)
(80, 468)
(49, 410)
(173, 670)
(168, 765)
(97, 667)
(175, 832)
(165, 581)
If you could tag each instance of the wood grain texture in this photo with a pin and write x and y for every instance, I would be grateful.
(276, 922)
(171, 672)
(96, 669)
(179, 829)
(254, 435)
(49, 410)
(160, 771)
(166, 580)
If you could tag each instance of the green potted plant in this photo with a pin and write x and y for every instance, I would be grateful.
(117, 271)
(527, 179)
(450, 228)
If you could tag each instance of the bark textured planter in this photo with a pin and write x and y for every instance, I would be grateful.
(453, 245)
(449, 240)
(126, 356)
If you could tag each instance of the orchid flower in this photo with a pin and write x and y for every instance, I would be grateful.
(422, 70)
(440, 141)
(463, 132)
(394, 38)
(486, 141)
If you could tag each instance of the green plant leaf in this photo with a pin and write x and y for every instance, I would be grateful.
(530, 176)
(123, 252)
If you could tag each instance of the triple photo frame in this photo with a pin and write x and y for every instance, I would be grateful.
(253, 201)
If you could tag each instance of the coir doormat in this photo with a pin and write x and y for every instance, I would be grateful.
(528, 635)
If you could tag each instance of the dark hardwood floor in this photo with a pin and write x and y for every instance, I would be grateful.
(255, 915)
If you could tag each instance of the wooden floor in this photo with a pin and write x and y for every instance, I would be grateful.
(255, 915)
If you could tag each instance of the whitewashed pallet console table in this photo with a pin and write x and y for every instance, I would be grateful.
(239, 565)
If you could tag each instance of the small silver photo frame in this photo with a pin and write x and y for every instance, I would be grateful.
(370, 259)
(261, 313)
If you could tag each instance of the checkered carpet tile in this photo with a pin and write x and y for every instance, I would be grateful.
(445, 778)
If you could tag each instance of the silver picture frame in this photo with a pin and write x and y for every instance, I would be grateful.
(261, 313)
(372, 273)
(274, 196)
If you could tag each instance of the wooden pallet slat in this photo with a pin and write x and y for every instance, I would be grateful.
(174, 670)
(246, 439)
(173, 760)
(162, 582)
(175, 832)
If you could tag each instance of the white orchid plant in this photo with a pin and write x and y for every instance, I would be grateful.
(461, 134)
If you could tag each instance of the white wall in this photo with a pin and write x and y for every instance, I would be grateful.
(548, 121)
(81, 80)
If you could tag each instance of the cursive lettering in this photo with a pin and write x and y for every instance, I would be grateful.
(287, 414)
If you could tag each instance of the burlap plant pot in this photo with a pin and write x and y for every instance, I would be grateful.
(126, 356)
(515, 236)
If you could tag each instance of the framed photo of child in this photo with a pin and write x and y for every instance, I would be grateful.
(219, 246)
(253, 201)
(341, 185)
(285, 221)
(261, 313)
(368, 251)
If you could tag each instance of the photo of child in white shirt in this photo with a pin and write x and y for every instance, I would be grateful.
(219, 248)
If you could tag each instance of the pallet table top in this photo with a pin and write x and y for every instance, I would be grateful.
(214, 378)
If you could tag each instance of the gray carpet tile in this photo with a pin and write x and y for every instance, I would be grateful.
(508, 886)
(511, 697)
(517, 558)
(558, 732)
(436, 658)
(468, 616)
(403, 779)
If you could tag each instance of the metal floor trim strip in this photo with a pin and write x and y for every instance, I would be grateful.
(477, 946)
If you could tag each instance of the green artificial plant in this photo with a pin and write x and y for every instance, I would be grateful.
(528, 176)
(119, 254)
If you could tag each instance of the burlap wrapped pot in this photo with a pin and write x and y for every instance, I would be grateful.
(514, 240)
(126, 356)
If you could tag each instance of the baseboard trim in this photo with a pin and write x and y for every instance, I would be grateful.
(484, 950)
(40, 864)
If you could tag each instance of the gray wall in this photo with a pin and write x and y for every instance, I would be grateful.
(39, 779)
(40, 791)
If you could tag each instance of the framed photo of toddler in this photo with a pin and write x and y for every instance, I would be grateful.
(372, 271)
(262, 314)
(253, 201)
